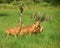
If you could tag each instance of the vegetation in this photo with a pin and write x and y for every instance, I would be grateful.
(53, 2)
(49, 38)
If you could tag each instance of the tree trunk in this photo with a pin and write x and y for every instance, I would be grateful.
(20, 21)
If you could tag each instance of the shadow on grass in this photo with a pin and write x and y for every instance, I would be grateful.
(4, 14)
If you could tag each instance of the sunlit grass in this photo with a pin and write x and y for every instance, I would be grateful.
(49, 38)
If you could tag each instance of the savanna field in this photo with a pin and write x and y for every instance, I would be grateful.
(49, 38)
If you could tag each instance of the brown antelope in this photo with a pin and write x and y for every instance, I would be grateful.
(25, 30)
(38, 30)
(29, 29)
(13, 31)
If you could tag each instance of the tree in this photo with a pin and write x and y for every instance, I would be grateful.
(21, 13)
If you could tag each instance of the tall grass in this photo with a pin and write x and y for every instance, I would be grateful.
(49, 38)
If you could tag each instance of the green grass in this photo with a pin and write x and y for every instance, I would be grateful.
(49, 38)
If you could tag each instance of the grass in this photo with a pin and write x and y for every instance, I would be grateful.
(49, 38)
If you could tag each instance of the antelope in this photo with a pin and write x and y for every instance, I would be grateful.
(29, 29)
(38, 28)
(13, 31)
(25, 30)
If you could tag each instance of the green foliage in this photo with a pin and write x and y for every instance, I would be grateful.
(36, 1)
(0, 1)
(6, 1)
(53, 2)
(49, 38)
(9, 1)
